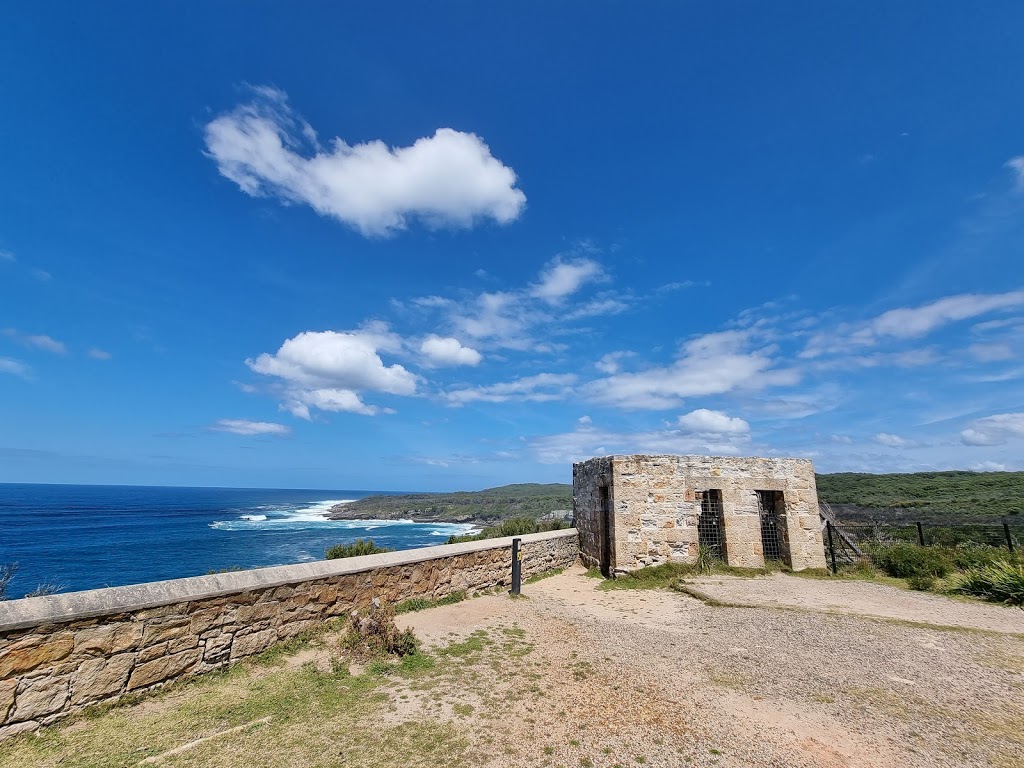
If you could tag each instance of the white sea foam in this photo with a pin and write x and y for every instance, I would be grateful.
(315, 516)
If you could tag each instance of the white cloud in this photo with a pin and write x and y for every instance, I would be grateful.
(712, 364)
(706, 422)
(541, 388)
(448, 179)
(37, 341)
(327, 399)
(914, 322)
(432, 301)
(908, 323)
(842, 439)
(15, 367)
(586, 441)
(989, 466)
(1016, 164)
(99, 354)
(997, 429)
(448, 351)
(7, 256)
(328, 369)
(598, 307)
(990, 353)
(244, 427)
(610, 363)
(562, 278)
(41, 274)
(892, 441)
(584, 420)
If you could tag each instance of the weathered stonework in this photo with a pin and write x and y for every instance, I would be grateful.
(60, 653)
(635, 511)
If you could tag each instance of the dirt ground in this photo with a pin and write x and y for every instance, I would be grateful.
(575, 676)
(630, 677)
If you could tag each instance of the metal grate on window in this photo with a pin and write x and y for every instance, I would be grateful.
(710, 526)
(770, 527)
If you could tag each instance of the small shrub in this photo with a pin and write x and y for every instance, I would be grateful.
(46, 588)
(705, 559)
(906, 560)
(357, 548)
(6, 574)
(376, 636)
(969, 556)
(921, 583)
(1001, 582)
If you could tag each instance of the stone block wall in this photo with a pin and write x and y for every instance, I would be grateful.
(61, 653)
(656, 507)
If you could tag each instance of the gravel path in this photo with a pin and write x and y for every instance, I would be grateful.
(861, 598)
(576, 676)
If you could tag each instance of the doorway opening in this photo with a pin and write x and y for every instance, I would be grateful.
(606, 533)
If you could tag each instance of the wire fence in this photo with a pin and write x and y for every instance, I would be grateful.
(849, 542)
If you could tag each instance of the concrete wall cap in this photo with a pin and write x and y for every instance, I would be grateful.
(72, 606)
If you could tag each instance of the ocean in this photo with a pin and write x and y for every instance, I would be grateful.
(87, 536)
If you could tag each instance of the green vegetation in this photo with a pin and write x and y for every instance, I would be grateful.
(520, 500)
(373, 635)
(906, 561)
(422, 603)
(976, 494)
(7, 571)
(514, 526)
(357, 548)
(1001, 581)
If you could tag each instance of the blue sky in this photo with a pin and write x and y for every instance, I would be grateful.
(453, 245)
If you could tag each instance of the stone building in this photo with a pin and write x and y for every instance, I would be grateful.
(635, 511)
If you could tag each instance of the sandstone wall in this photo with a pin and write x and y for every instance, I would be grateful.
(656, 507)
(60, 653)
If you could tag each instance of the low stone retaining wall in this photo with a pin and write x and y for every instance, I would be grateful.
(61, 653)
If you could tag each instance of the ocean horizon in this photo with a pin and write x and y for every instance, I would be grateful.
(76, 537)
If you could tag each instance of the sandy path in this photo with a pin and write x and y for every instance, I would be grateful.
(576, 676)
(861, 598)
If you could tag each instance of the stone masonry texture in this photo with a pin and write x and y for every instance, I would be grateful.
(654, 506)
(60, 653)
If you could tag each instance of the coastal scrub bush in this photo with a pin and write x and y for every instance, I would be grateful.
(6, 574)
(514, 526)
(921, 583)
(1001, 582)
(375, 635)
(357, 548)
(907, 560)
(969, 556)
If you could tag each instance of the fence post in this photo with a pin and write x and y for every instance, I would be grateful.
(517, 566)
(920, 534)
(1009, 538)
(831, 546)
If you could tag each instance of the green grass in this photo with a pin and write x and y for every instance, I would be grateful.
(423, 603)
(545, 575)
(666, 575)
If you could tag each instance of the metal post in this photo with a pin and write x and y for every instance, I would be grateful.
(920, 534)
(517, 566)
(1009, 538)
(831, 546)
